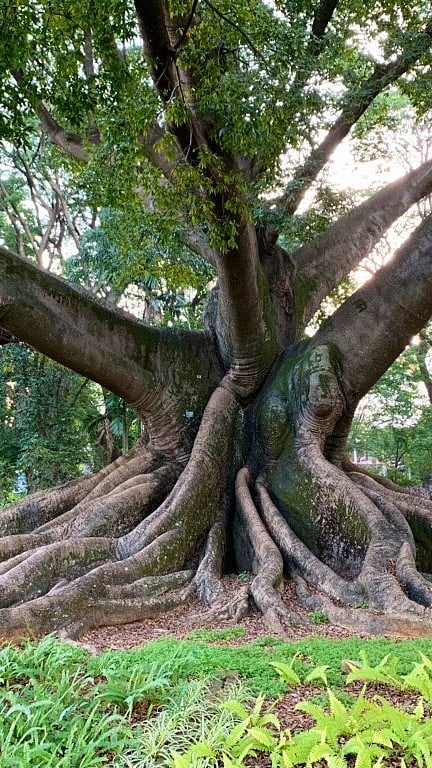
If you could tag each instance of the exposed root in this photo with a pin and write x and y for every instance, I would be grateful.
(147, 532)
(363, 620)
(383, 482)
(410, 514)
(391, 512)
(233, 610)
(39, 509)
(81, 581)
(300, 560)
(42, 569)
(208, 576)
(404, 500)
(266, 588)
(113, 514)
(200, 493)
(83, 601)
(414, 584)
(142, 599)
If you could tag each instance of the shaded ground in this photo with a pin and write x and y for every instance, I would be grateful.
(194, 616)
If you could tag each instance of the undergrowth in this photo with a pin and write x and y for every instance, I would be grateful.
(199, 704)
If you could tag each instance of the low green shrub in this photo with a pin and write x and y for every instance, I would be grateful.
(188, 704)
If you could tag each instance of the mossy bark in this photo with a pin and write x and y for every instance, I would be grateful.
(257, 492)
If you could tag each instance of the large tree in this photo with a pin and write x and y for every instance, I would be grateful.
(217, 119)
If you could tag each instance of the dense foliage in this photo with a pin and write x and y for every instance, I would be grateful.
(161, 706)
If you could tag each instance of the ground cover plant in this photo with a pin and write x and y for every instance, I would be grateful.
(200, 704)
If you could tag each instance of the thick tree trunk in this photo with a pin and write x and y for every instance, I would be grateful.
(148, 531)
(245, 458)
(247, 421)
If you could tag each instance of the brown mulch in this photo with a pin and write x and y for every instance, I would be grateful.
(193, 616)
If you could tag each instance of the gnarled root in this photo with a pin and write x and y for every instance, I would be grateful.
(78, 581)
(391, 595)
(38, 511)
(208, 579)
(267, 586)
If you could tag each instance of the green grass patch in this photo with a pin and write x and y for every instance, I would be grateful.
(198, 659)
(216, 635)
(162, 704)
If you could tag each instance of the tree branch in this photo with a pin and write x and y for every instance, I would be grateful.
(161, 38)
(249, 334)
(377, 322)
(70, 326)
(70, 143)
(323, 263)
(158, 47)
(322, 18)
(196, 240)
(166, 165)
(354, 106)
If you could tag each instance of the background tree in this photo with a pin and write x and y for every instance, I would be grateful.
(45, 411)
(198, 114)
(391, 422)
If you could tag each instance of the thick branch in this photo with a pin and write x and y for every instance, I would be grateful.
(322, 18)
(110, 347)
(354, 106)
(323, 263)
(158, 47)
(250, 334)
(373, 327)
(161, 38)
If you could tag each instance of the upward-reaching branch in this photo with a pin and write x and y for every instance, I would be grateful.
(249, 334)
(354, 106)
(323, 263)
(161, 38)
(374, 326)
(322, 18)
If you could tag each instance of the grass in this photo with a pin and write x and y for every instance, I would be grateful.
(250, 662)
(60, 706)
(217, 635)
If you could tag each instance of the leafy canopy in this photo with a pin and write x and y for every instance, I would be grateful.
(265, 82)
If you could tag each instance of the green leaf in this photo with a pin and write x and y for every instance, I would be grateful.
(180, 761)
(286, 672)
(318, 673)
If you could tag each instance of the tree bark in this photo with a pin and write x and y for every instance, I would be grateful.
(164, 375)
(264, 468)
(247, 421)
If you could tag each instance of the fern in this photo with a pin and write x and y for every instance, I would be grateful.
(364, 751)
(318, 673)
(286, 671)
(384, 672)
(419, 679)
